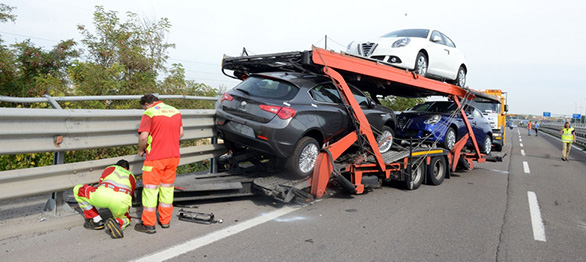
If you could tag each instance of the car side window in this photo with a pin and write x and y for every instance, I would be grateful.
(360, 97)
(325, 93)
(448, 41)
(477, 114)
(437, 38)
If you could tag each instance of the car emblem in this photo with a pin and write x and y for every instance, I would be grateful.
(242, 105)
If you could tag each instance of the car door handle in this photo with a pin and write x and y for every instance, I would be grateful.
(447, 50)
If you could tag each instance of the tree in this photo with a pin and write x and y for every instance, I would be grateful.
(136, 46)
(6, 13)
(398, 103)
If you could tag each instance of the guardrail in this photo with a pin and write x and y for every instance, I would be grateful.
(554, 129)
(58, 130)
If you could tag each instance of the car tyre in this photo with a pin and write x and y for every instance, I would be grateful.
(450, 139)
(421, 63)
(486, 145)
(302, 160)
(436, 171)
(461, 77)
(385, 139)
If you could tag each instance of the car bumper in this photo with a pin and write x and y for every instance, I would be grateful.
(271, 138)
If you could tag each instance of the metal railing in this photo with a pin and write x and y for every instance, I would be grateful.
(58, 130)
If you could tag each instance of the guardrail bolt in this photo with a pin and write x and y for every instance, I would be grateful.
(57, 140)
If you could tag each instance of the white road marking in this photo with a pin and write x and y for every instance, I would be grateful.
(520, 140)
(522, 152)
(521, 144)
(518, 131)
(526, 167)
(536, 221)
(215, 236)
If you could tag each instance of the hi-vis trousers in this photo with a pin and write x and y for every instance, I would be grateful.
(158, 177)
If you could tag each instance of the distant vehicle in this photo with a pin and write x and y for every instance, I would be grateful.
(427, 52)
(436, 122)
(291, 115)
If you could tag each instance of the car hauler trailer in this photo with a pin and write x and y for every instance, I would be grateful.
(354, 161)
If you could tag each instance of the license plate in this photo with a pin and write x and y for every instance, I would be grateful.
(242, 129)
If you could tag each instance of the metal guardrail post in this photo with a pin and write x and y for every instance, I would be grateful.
(56, 204)
(213, 161)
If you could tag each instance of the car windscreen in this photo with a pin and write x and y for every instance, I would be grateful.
(439, 107)
(267, 88)
(487, 107)
(422, 33)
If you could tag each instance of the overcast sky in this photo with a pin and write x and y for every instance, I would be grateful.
(534, 50)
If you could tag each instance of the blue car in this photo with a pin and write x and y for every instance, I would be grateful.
(439, 122)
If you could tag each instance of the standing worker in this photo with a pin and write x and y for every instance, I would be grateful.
(159, 133)
(568, 137)
(529, 128)
(536, 129)
(114, 192)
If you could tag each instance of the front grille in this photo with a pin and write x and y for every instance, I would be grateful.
(378, 57)
(368, 48)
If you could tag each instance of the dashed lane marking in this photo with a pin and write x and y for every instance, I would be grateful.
(518, 131)
(526, 167)
(522, 152)
(521, 145)
(536, 221)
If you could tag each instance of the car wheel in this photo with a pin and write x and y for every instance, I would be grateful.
(421, 64)
(417, 173)
(487, 145)
(450, 139)
(436, 171)
(461, 77)
(302, 161)
(385, 139)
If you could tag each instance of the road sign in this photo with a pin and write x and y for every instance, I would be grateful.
(576, 116)
(546, 113)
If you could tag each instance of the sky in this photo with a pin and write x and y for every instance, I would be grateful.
(533, 50)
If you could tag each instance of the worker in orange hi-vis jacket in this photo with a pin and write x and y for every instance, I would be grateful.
(159, 133)
(114, 191)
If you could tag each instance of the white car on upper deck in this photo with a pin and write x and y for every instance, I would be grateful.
(427, 52)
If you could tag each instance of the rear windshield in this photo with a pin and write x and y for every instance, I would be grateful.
(267, 88)
(422, 33)
(439, 107)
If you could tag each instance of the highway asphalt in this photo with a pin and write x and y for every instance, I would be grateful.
(508, 211)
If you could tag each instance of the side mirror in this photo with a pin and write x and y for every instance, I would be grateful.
(506, 108)
(436, 39)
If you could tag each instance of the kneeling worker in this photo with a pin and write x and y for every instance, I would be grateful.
(114, 192)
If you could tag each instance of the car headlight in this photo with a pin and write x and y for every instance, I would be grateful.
(401, 42)
(349, 45)
(433, 120)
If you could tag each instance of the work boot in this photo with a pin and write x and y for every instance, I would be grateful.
(165, 225)
(146, 229)
(90, 224)
(113, 228)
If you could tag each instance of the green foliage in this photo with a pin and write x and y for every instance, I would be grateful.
(6, 13)
(120, 58)
(398, 103)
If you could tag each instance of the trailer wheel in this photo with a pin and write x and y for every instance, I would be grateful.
(436, 171)
(417, 173)
(302, 161)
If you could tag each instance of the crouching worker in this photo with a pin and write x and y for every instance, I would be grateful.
(114, 192)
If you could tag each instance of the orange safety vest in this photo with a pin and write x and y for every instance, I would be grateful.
(529, 125)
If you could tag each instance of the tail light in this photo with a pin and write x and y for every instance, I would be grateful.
(226, 96)
(282, 112)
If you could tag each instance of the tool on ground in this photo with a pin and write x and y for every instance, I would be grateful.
(198, 217)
